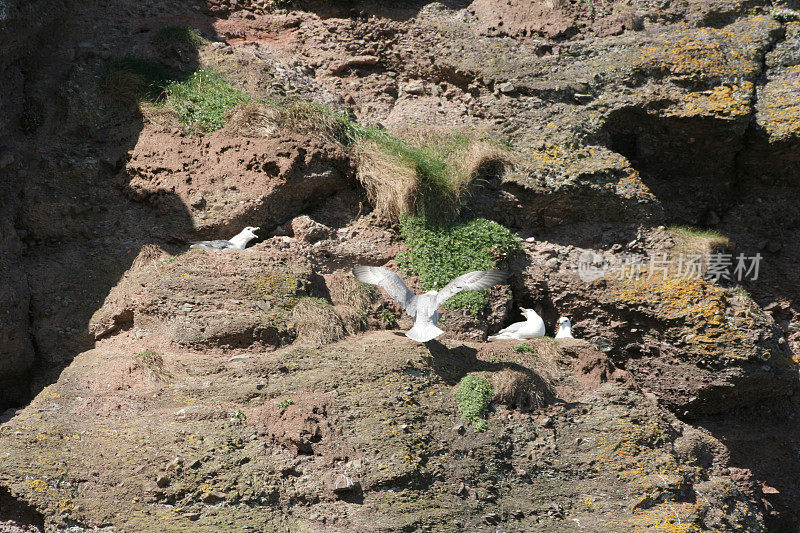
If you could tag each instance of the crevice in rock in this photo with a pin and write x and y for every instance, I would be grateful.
(17, 515)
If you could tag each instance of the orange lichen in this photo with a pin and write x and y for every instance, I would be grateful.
(704, 307)
(727, 100)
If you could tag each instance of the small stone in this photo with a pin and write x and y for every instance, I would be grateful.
(491, 518)
(547, 422)
(212, 497)
(506, 88)
(162, 480)
(458, 428)
(414, 87)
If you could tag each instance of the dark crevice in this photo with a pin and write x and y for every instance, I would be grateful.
(16, 513)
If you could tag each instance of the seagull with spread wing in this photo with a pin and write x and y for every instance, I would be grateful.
(424, 308)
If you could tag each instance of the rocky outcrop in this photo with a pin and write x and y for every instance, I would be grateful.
(295, 438)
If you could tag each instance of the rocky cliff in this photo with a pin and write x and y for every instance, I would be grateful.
(595, 149)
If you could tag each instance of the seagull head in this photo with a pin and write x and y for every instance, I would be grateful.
(250, 231)
(564, 322)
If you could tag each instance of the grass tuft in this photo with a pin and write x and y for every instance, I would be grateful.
(152, 364)
(179, 36)
(473, 395)
(203, 101)
(317, 322)
(440, 253)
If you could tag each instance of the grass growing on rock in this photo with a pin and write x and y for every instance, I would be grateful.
(203, 101)
(474, 394)
(440, 253)
(179, 35)
(421, 171)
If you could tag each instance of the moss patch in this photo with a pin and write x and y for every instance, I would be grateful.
(473, 394)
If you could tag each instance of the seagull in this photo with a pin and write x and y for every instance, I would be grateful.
(564, 328)
(238, 242)
(532, 327)
(424, 308)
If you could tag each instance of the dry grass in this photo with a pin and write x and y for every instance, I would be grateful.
(317, 322)
(254, 120)
(352, 319)
(391, 185)
(542, 355)
(346, 290)
(126, 86)
(523, 389)
(693, 242)
(425, 171)
(152, 364)
(148, 254)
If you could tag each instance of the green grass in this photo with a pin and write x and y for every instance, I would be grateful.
(283, 404)
(473, 395)
(440, 253)
(387, 318)
(137, 78)
(524, 348)
(179, 35)
(203, 101)
(313, 117)
(686, 232)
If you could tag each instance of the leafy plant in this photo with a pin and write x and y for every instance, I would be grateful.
(524, 348)
(387, 318)
(473, 395)
(283, 404)
(203, 101)
(239, 415)
(440, 253)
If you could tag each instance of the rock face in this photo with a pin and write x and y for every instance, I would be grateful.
(174, 389)
(319, 444)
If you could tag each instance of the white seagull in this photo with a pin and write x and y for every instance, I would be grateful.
(238, 242)
(564, 328)
(424, 308)
(532, 327)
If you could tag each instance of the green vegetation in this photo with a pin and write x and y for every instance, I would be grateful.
(283, 404)
(312, 117)
(439, 253)
(133, 78)
(179, 35)
(32, 116)
(387, 318)
(474, 394)
(524, 348)
(239, 415)
(685, 232)
(153, 364)
(203, 101)
(784, 15)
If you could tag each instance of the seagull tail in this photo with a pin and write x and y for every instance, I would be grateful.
(423, 332)
(501, 336)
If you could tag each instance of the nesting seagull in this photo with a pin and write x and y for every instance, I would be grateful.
(532, 327)
(424, 308)
(238, 242)
(564, 328)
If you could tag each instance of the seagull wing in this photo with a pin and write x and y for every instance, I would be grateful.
(472, 281)
(390, 281)
(217, 245)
